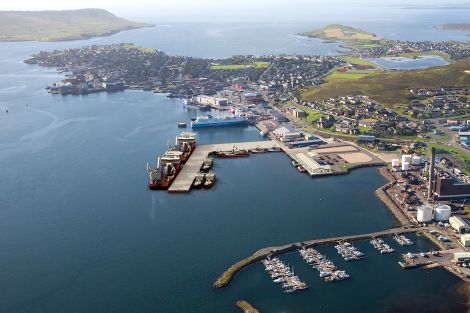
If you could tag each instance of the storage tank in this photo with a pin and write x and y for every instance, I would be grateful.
(395, 163)
(442, 212)
(405, 166)
(406, 158)
(424, 214)
(416, 160)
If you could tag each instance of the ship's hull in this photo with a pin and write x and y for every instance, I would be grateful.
(231, 155)
(219, 123)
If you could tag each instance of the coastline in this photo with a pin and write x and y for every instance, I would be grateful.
(76, 37)
(381, 193)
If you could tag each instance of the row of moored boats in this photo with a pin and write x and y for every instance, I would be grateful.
(326, 268)
(348, 251)
(381, 246)
(284, 275)
(402, 240)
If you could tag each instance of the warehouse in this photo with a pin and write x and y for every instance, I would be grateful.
(465, 240)
(312, 166)
(459, 224)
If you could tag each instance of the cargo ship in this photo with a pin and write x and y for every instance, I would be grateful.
(169, 165)
(209, 121)
(185, 143)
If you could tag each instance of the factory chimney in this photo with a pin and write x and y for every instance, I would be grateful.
(431, 173)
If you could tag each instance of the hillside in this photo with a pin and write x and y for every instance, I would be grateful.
(456, 26)
(61, 25)
(341, 33)
(391, 88)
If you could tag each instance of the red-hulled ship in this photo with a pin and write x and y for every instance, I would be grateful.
(186, 143)
(168, 166)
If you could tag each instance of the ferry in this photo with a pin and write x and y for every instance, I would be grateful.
(209, 121)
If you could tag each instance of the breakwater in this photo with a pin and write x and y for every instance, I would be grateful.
(227, 276)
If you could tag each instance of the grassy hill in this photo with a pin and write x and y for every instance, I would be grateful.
(391, 88)
(341, 33)
(61, 25)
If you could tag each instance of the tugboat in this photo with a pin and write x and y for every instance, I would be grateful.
(274, 149)
(207, 165)
(234, 153)
(258, 150)
(198, 181)
(209, 180)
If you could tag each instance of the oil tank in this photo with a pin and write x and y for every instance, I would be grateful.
(406, 158)
(416, 160)
(405, 166)
(442, 212)
(424, 214)
(395, 163)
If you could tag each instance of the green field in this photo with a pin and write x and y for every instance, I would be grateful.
(351, 74)
(259, 64)
(391, 88)
(61, 25)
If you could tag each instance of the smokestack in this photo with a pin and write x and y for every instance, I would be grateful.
(431, 173)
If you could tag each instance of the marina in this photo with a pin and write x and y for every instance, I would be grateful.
(190, 170)
(326, 268)
(283, 274)
(348, 252)
(226, 277)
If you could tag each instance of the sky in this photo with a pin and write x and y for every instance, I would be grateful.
(218, 9)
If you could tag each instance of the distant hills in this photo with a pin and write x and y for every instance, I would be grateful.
(456, 26)
(341, 33)
(61, 25)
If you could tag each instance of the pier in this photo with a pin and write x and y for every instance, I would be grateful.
(226, 277)
(185, 178)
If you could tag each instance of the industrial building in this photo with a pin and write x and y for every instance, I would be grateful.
(213, 101)
(287, 134)
(448, 188)
(312, 166)
(465, 240)
(459, 224)
(365, 139)
(461, 256)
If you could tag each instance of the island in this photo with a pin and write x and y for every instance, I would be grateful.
(61, 25)
(339, 32)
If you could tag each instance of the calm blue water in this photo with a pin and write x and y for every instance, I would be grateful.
(402, 63)
(80, 232)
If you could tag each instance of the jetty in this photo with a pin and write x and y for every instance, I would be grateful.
(226, 277)
(185, 178)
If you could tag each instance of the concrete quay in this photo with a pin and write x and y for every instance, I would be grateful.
(185, 178)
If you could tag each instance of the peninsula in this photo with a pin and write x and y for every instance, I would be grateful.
(61, 25)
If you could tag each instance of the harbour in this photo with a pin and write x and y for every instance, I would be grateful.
(115, 231)
(186, 177)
